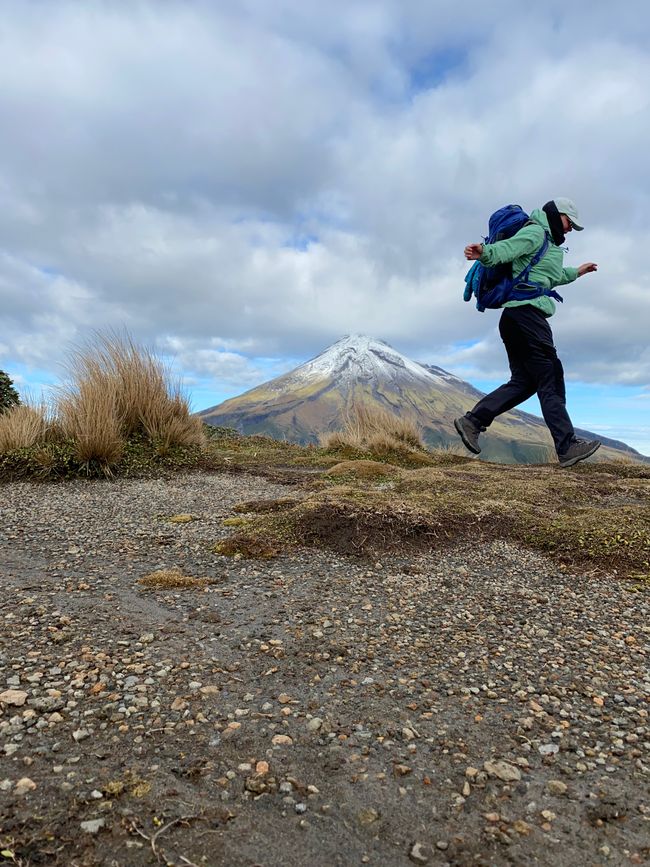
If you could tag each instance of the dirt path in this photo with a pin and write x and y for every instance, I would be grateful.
(474, 706)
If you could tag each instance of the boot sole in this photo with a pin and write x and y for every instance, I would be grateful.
(461, 433)
(571, 461)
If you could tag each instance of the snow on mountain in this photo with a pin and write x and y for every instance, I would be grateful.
(357, 358)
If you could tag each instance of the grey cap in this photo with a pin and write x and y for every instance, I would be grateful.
(567, 206)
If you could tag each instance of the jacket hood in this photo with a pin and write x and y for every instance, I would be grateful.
(540, 217)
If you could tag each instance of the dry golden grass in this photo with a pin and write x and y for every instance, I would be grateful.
(87, 413)
(167, 579)
(375, 430)
(23, 426)
(118, 389)
(363, 469)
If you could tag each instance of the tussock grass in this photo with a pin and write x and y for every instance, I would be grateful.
(23, 426)
(376, 431)
(167, 579)
(120, 409)
(362, 469)
(87, 413)
(118, 390)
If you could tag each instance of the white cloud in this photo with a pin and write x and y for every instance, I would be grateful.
(260, 179)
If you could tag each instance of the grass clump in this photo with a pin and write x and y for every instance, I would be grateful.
(23, 426)
(168, 579)
(376, 431)
(120, 411)
(362, 469)
(248, 546)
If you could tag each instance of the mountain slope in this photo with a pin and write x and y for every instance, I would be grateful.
(312, 399)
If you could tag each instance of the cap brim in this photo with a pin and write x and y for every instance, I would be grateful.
(575, 225)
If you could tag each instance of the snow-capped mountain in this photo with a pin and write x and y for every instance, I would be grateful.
(313, 399)
(357, 358)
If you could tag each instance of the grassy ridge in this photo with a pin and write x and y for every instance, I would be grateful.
(362, 502)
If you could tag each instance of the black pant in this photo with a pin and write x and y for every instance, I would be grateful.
(535, 367)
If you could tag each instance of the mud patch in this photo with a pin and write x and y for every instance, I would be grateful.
(263, 506)
(350, 530)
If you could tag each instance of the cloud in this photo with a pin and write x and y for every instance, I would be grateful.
(253, 180)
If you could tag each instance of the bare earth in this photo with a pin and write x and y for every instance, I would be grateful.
(472, 706)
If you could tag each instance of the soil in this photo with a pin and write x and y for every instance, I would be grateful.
(475, 706)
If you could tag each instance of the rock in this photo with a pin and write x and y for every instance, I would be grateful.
(15, 697)
(502, 770)
(24, 785)
(367, 816)
(281, 740)
(557, 787)
(419, 853)
(211, 689)
(256, 784)
(548, 749)
(81, 734)
(314, 724)
(92, 826)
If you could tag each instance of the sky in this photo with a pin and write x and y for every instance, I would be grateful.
(240, 184)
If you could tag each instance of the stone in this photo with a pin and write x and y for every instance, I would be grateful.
(14, 697)
(211, 689)
(24, 785)
(281, 740)
(502, 770)
(557, 787)
(367, 816)
(419, 853)
(81, 734)
(92, 826)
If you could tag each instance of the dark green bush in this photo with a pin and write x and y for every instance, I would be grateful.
(8, 395)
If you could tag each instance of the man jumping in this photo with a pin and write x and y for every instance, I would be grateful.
(524, 329)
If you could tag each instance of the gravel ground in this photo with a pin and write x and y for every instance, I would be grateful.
(472, 706)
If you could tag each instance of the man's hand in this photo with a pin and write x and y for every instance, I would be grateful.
(587, 268)
(473, 251)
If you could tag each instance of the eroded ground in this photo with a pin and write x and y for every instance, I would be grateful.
(474, 704)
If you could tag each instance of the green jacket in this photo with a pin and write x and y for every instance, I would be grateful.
(520, 249)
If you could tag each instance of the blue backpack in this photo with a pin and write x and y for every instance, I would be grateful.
(492, 287)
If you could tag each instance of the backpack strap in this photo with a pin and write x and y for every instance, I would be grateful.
(523, 277)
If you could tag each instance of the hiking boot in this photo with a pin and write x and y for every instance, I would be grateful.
(469, 433)
(578, 451)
